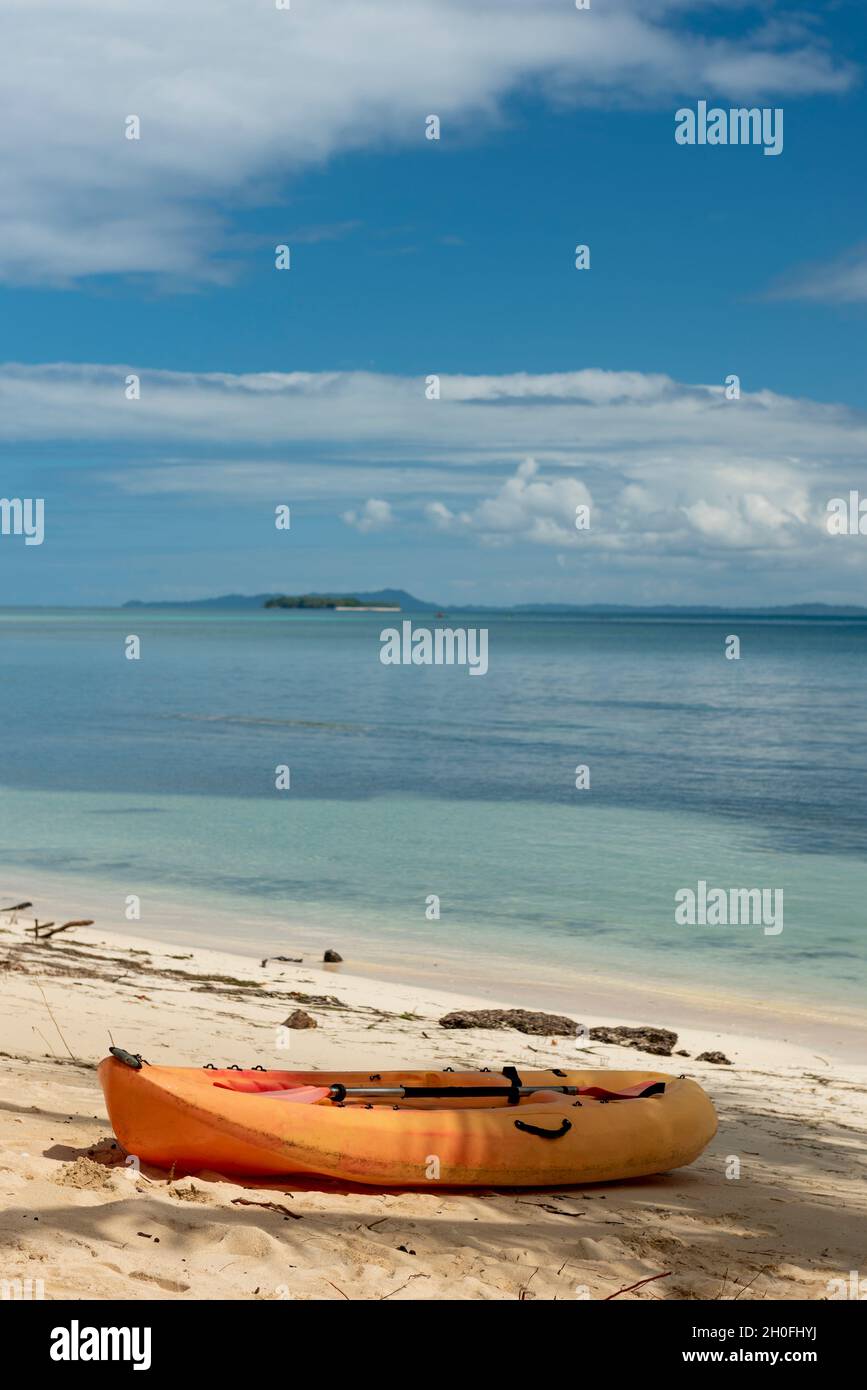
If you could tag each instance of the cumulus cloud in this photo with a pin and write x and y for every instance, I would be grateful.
(234, 99)
(375, 515)
(753, 520)
(440, 516)
(525, 507)
(724, 509)
(667, 468)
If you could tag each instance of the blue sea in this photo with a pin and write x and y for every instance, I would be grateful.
(156, 777)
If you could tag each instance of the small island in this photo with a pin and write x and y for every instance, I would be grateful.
(337, 605)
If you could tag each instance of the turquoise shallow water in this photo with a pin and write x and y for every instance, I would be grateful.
(157, 778)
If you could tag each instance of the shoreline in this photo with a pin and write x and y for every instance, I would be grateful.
(76, 1216)
(358, 989)
(474, 972)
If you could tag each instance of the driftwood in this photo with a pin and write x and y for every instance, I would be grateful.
(11, 912)
(641, 1282)
(41, 927)
(268, 1206)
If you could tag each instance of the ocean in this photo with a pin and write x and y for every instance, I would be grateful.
(433, 816)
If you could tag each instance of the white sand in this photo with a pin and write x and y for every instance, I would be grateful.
(77, 1220)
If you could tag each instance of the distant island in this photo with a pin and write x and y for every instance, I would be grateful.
(339, 605)
(399, 599)
(379, 598)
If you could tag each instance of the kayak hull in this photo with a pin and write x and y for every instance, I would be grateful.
(191, 1119)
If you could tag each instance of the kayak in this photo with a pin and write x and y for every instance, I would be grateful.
(420, 1129)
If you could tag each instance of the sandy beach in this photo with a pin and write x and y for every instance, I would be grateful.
(79, 1223)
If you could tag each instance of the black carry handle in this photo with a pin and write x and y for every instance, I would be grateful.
(565, 1127)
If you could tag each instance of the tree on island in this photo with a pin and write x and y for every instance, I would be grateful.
(311, 601)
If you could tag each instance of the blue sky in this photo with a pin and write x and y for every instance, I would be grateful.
(455, 257)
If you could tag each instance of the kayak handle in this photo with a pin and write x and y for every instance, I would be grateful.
(565, 1127)
(129, 1059)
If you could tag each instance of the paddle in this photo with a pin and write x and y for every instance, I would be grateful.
(337, 1092)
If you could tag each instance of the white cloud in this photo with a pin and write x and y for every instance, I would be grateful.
(375, 515)
(842, 281)
(440, 516)
(234, 98)
(257, 479)
(753, 521)
(722, 508)
(668, 468)
(646, 424)
(525, 507)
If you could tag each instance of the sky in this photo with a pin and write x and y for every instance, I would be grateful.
(411, 258)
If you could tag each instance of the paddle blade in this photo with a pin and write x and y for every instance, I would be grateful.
(299, 1095)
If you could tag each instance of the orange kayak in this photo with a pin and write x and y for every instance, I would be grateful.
(477, 1129)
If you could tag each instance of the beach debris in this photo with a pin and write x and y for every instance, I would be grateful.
(41, 927)
(399, 1288)
(290, 960)
(524, 1020)
(332, 957)
(718, 1058)
(188, 1194)
(659, 1041)
(11, 912)
(268, 1206)
(299, 1019)
(640, 1284)
(323, 1000)
(54, 1021)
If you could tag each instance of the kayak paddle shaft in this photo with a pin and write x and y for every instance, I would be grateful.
(339, 1092)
